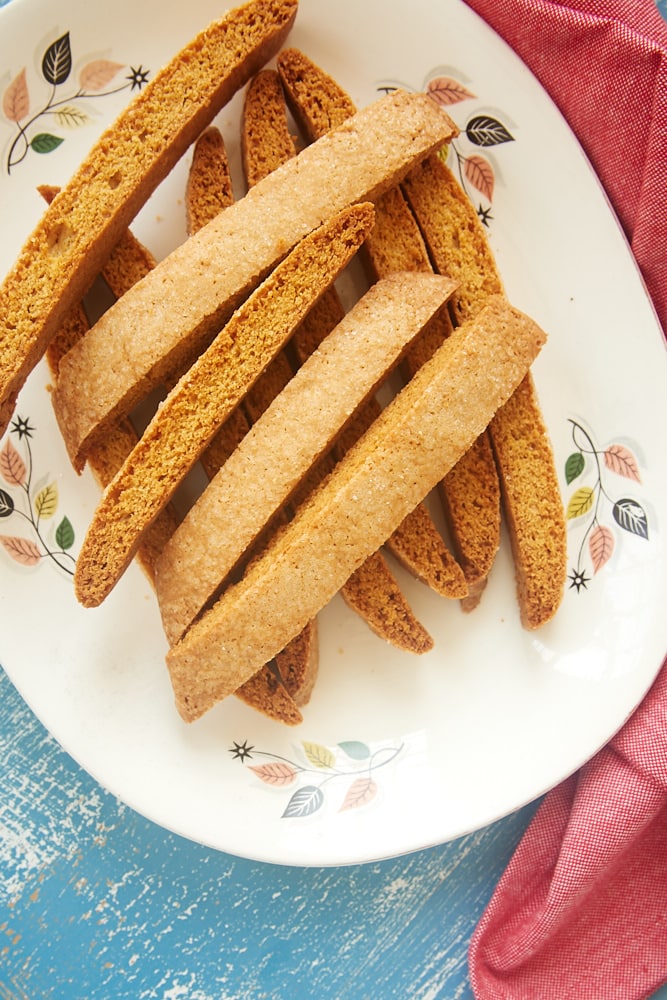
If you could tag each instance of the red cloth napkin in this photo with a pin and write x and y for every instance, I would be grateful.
(604, 63)
(581, 911)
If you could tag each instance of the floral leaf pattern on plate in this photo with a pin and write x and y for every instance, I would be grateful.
(58, 111)
(588, 502)
(349, 766)
(22, 503)
(445, 91)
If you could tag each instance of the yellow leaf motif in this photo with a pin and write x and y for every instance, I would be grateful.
(581, 502)
(46, 501)
(69, 116)
(318, 755)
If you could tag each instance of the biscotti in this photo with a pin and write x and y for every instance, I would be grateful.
(267, 143)
(426, 428)
(471, 491)
(262, 472)
(206, 395)
(523, 454)
(68, 246)
(127, 263)
(209, 189)
(167, 318)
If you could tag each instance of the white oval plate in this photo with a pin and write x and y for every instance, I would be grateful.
(395, 753)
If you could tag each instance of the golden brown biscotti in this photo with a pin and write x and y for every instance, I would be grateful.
(209, 189)
(454, 235)
(128, 262)
(261, 474)
(206, 395)
(372, 591)
(266, 142)
(317, 102)
(209, 185)
(164, 321)
(425, 428)
(77, 231)
(523, 454)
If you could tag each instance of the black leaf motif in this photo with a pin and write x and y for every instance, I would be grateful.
(483, 130)
(57, 61)
(6, 503)
(631, 517)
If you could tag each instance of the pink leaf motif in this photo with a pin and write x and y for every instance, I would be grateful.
(480, 174)
(16, 99)
(22, 550)
(360, 793)
(97, 74)
(620, 460)
(278, 773)
(444, 90)
(12, 466)
(601, 546)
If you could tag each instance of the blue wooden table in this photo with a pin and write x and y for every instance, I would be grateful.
(97, 902)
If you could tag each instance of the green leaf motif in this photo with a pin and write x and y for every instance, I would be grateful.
(46, 501)
(44, 142)
(355, 750)
(319, 756)
(581, 502)
(65, 534)
(574, 467)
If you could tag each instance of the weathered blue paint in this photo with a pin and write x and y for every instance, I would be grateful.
(97, 902)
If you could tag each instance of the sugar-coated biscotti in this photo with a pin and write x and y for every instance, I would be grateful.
(168, 318)
(77, 231)
(206, 395)
(209, 190)
(471, 491)
(261, 474)
(425, 429)
(267, 143)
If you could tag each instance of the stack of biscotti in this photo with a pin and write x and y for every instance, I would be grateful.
(284, 685)
(309, 478)
(427, 222)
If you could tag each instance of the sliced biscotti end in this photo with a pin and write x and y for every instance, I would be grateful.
(372, 591)
(417, 438)
(306, 85)
(453, 234)
(266, 142)
(535, 517)
(209, 185)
